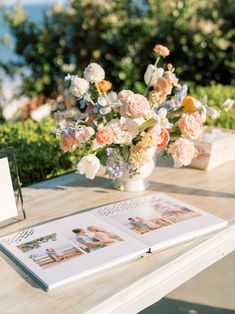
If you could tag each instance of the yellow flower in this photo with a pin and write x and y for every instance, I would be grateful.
(189, 104)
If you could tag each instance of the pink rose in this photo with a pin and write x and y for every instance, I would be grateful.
(68, 142)
(161, 50)
(136, 106)
(182, 152)
(190, 126)
(124, 94)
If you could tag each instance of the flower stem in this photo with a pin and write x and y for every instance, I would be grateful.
(98, 90)
(146, 125)
(89, 99)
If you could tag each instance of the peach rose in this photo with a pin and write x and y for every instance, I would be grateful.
(68, 142)
(165, 138)
(136, 106)
(124, 94)
(104, 136)
(182, 152)
(161, 50)
(163, 87)
(104, 86)
(189, 126)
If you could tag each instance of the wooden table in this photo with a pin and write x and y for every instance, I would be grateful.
(131, 287)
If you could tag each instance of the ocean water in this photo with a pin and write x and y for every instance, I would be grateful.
(35, 13)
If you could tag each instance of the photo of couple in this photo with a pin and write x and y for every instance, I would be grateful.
(53, 249)
(94, 238)
(50, 251)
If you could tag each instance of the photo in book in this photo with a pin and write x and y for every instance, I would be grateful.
(152, 217)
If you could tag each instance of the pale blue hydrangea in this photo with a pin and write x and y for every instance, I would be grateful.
(115, 164)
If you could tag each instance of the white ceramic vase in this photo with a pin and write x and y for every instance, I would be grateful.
(137, 182)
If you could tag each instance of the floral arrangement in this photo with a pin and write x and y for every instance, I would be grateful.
(123, 131)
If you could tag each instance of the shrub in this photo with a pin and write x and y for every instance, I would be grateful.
(37, 150)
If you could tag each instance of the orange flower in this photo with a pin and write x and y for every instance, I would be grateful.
(189, 104)
(161, 50)
(104, 86)
(165, 138)
(104, 136)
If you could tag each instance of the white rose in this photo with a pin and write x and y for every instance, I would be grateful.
(152, 74)
(89, 165)
(79, 87)
(94, 73)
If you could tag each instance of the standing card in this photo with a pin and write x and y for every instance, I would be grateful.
(8, 207)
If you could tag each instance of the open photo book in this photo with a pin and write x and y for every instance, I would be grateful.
(73, 247)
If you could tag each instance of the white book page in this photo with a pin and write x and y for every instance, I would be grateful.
(159, 221)
(8, 207)
(70, 248)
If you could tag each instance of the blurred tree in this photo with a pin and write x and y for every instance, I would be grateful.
(120, 36)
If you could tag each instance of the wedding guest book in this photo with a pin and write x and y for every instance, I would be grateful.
(73, 247)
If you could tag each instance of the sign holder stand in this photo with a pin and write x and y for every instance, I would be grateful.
(9, 152)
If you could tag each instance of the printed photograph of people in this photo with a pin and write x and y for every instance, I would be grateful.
(94, 238)
(50, 250)
(173, 212)
(142, 225)
(179, 215)
(145, 219)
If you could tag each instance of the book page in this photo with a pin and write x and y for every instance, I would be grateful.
(70, 248)
(158, 220)
(8, 207)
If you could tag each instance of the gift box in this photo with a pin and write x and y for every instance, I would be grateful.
(215, 147)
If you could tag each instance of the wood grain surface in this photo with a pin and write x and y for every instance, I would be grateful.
(131, 287)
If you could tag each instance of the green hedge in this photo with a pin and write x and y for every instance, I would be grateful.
(37, 150)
